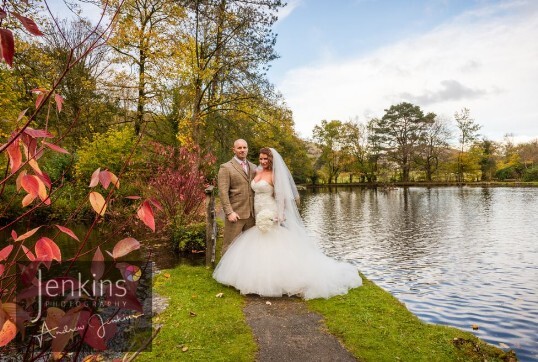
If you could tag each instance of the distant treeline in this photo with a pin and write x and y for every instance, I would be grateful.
(407, 145)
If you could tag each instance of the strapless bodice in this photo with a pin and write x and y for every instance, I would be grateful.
(263, 196)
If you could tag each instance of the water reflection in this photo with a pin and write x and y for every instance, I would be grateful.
(455, 256)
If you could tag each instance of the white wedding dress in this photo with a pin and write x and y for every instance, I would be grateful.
(281, 260)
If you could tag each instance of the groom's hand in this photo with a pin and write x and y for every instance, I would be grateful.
(233, 217)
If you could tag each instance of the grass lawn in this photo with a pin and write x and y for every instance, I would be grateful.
(198, 326)
(371, 323)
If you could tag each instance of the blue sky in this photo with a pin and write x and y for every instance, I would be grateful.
(354, 58)
(318, 30)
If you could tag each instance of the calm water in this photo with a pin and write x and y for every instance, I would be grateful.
(454, 256)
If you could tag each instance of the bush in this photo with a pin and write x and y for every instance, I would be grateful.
(108, 150)
(510, 172)
(190, 237)
(531, 174)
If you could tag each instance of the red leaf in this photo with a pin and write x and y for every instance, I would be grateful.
(95, 178)
(7, 333)
(156, 203)
(14, 234)
(28, 253)
(104, 177)
(2, 268)
(39, 100)
(28, 23)
(54, 147)
(27, 274)
(145, 213)
(4, 253)
(124, 247)
(15, 155)
(59, 101)
(67, 231)
(30, 184)
(7, 48)
(26, 235)
(47, 250)
(3, 14)
(45, 178)
(37, 133)
(98, 264)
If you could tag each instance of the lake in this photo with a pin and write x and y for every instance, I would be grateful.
(456, 256)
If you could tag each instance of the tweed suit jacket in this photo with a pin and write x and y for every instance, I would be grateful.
(234, 189)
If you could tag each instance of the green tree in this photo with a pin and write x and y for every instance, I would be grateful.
(330, 136)
(400, 131)
(229, 45)
(435, 141)
(488, 163)
(468, 133)
(146, 34)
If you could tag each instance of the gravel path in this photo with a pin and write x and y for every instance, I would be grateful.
(286, 330)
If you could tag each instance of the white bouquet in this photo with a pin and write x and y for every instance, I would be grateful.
(265, 220)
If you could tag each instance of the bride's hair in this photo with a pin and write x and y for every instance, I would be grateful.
(267, 151)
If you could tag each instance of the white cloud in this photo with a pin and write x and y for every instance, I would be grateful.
(484, 60)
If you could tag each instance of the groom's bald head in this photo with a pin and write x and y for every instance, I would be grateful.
(240, 148)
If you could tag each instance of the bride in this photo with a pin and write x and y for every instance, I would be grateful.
(277, 257)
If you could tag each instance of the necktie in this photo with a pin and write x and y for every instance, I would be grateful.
(244, 164)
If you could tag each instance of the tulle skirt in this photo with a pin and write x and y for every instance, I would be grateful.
(282, 262)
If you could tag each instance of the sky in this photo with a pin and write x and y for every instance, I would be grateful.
(352, 59)
(349, 59)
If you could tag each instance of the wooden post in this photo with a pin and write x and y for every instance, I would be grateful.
(211, 227)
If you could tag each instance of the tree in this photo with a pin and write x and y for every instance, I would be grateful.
(330, 137)
(400, 131)
(144, 37)
(355, 140)
(468, 133)
(229, 46)
(436, 136)
(488, 164)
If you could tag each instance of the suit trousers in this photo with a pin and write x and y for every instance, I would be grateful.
(233, 229)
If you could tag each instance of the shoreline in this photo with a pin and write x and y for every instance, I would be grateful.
(389, 185)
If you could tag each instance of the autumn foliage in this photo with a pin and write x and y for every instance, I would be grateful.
(29, 253)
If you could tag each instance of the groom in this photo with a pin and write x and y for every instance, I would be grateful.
(236, 195)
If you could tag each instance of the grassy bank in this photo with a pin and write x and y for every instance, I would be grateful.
(375, 326)
(197, 325)
(370, 322)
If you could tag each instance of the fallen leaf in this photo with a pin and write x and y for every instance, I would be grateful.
(474, 326)
(503, 345)
(220, 295)
(185, 348)
(166, 275)
(192, 314)
(268, 303)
